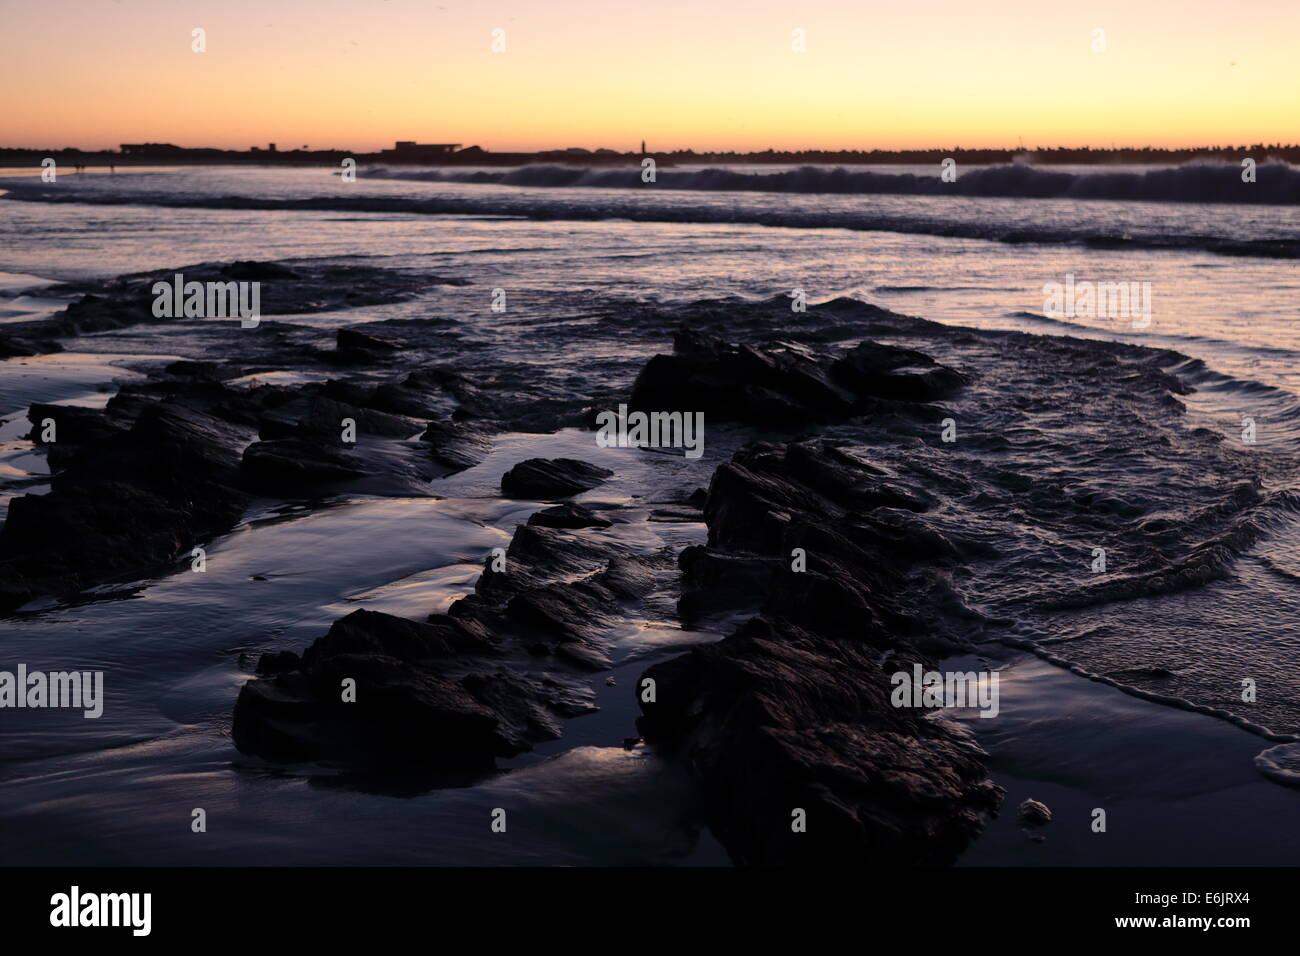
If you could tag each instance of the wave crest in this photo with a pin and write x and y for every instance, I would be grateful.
(1276, 182)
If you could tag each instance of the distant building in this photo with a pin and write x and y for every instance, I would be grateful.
(411, 151)
(148, 149)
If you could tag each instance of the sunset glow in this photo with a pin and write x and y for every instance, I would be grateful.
(579, 73)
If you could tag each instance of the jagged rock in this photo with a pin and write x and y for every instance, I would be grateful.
(354, 340)
(33, 343)
(73, 426)
(138, 496)
(400, 399)
(278, 662)
(444, 677)
(547, 478)
(372, 633)
(568, 515)
(400, 713)
(793, 710)
(454, 445)
(784, 385)
(529, 710)
(775, 719)
(310, 414)
(415, 704)
(715, 581)
(294, 465)
(738, 383)
(128, 300)
(888, 371)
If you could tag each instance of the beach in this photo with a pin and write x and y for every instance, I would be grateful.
(1100, 508)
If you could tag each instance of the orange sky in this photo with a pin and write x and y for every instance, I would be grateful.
(359, 74)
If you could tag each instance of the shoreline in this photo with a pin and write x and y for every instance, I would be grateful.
(1160, 772)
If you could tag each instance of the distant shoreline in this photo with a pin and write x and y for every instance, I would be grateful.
(168, 155)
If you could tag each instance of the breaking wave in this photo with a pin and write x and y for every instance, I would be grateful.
(1277, 182)
(669, 207)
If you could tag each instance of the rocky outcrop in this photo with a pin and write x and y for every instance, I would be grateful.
(803, 760)
(34, 342)
(788, 723)
(786, 385)
(133, 493)
(399, 704)
(499, 672)
(568, 515)
(355, 345)
(548, 478)
(170, 462)
(283, 290)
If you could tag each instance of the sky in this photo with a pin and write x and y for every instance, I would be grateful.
(704, 74)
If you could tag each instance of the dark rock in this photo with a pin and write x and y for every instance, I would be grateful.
(293, 465)
(128, 300)
(547, 478)
(774, 719)
(400, 399)
(529, 710)
(33, 343)
(783, 385)
(436, 692)
(568, 515)
(739, 383)
(311, 414)
(278, 662)
(74, 425)
(716, 581)
(676, 515)
(409, 709)
(132, 496)
(372, 633)
(354, 340)
(399, 713)
(252, 271)
(1034, 814)
(887, 371)
(793, 710)
(455, 445)
(211, 371)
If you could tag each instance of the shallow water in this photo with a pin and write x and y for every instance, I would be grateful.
(172, 652)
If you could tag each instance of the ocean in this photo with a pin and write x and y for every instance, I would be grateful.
(1180, 464)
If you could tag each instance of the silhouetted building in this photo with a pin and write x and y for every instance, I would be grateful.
(411, 151)
(149, 149)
